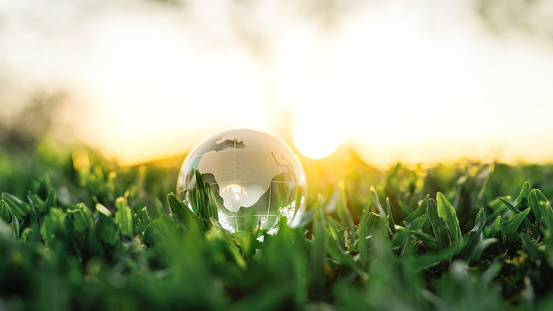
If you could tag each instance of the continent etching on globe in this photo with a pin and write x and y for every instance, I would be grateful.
(241, 182)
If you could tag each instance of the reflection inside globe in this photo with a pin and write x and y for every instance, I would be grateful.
(234, 197)
(252, 177)
(235, 191)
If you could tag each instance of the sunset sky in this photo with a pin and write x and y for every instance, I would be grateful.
(395, 80)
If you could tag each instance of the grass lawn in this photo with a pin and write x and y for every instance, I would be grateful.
(79, 232)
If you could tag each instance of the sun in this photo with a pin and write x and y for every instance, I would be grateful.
(315, 139)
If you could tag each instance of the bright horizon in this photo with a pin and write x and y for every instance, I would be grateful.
(395, 81)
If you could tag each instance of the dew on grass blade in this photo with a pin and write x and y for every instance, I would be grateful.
(244, 178)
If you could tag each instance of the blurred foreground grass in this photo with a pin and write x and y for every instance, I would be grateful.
(80, 233)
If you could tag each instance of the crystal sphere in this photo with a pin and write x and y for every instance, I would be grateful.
(251, 177)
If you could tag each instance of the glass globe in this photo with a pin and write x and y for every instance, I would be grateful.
(253, 179)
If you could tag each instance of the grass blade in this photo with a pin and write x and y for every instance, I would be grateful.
(480, 220)
(438, 225)
(15, 228)
(343, 212)
(496, 227)
(82, 218)
(391, 223)
(524, 192)
(421, 210)
(480, 247)
(109, 229)
(376, 201)
(417, 223)
(363, 233)
(428, 241)
(540, 207)
(123, 217)
(17, 207)
(447, 213)
(512, 224)
(182, 212)
(50, 201)
(4, 211)
(532, 249)
(509, 206)
(103, 210)
(212, 211)
(318, 257)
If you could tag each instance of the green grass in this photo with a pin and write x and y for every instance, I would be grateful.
(80, 233)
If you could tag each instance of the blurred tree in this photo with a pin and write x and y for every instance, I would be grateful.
(31, 123)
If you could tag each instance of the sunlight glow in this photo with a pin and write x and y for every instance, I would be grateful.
(398, 80)
(315, 139)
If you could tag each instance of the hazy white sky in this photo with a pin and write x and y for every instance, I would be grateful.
(399, 80)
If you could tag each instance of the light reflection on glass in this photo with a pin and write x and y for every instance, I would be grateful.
(235, 191)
